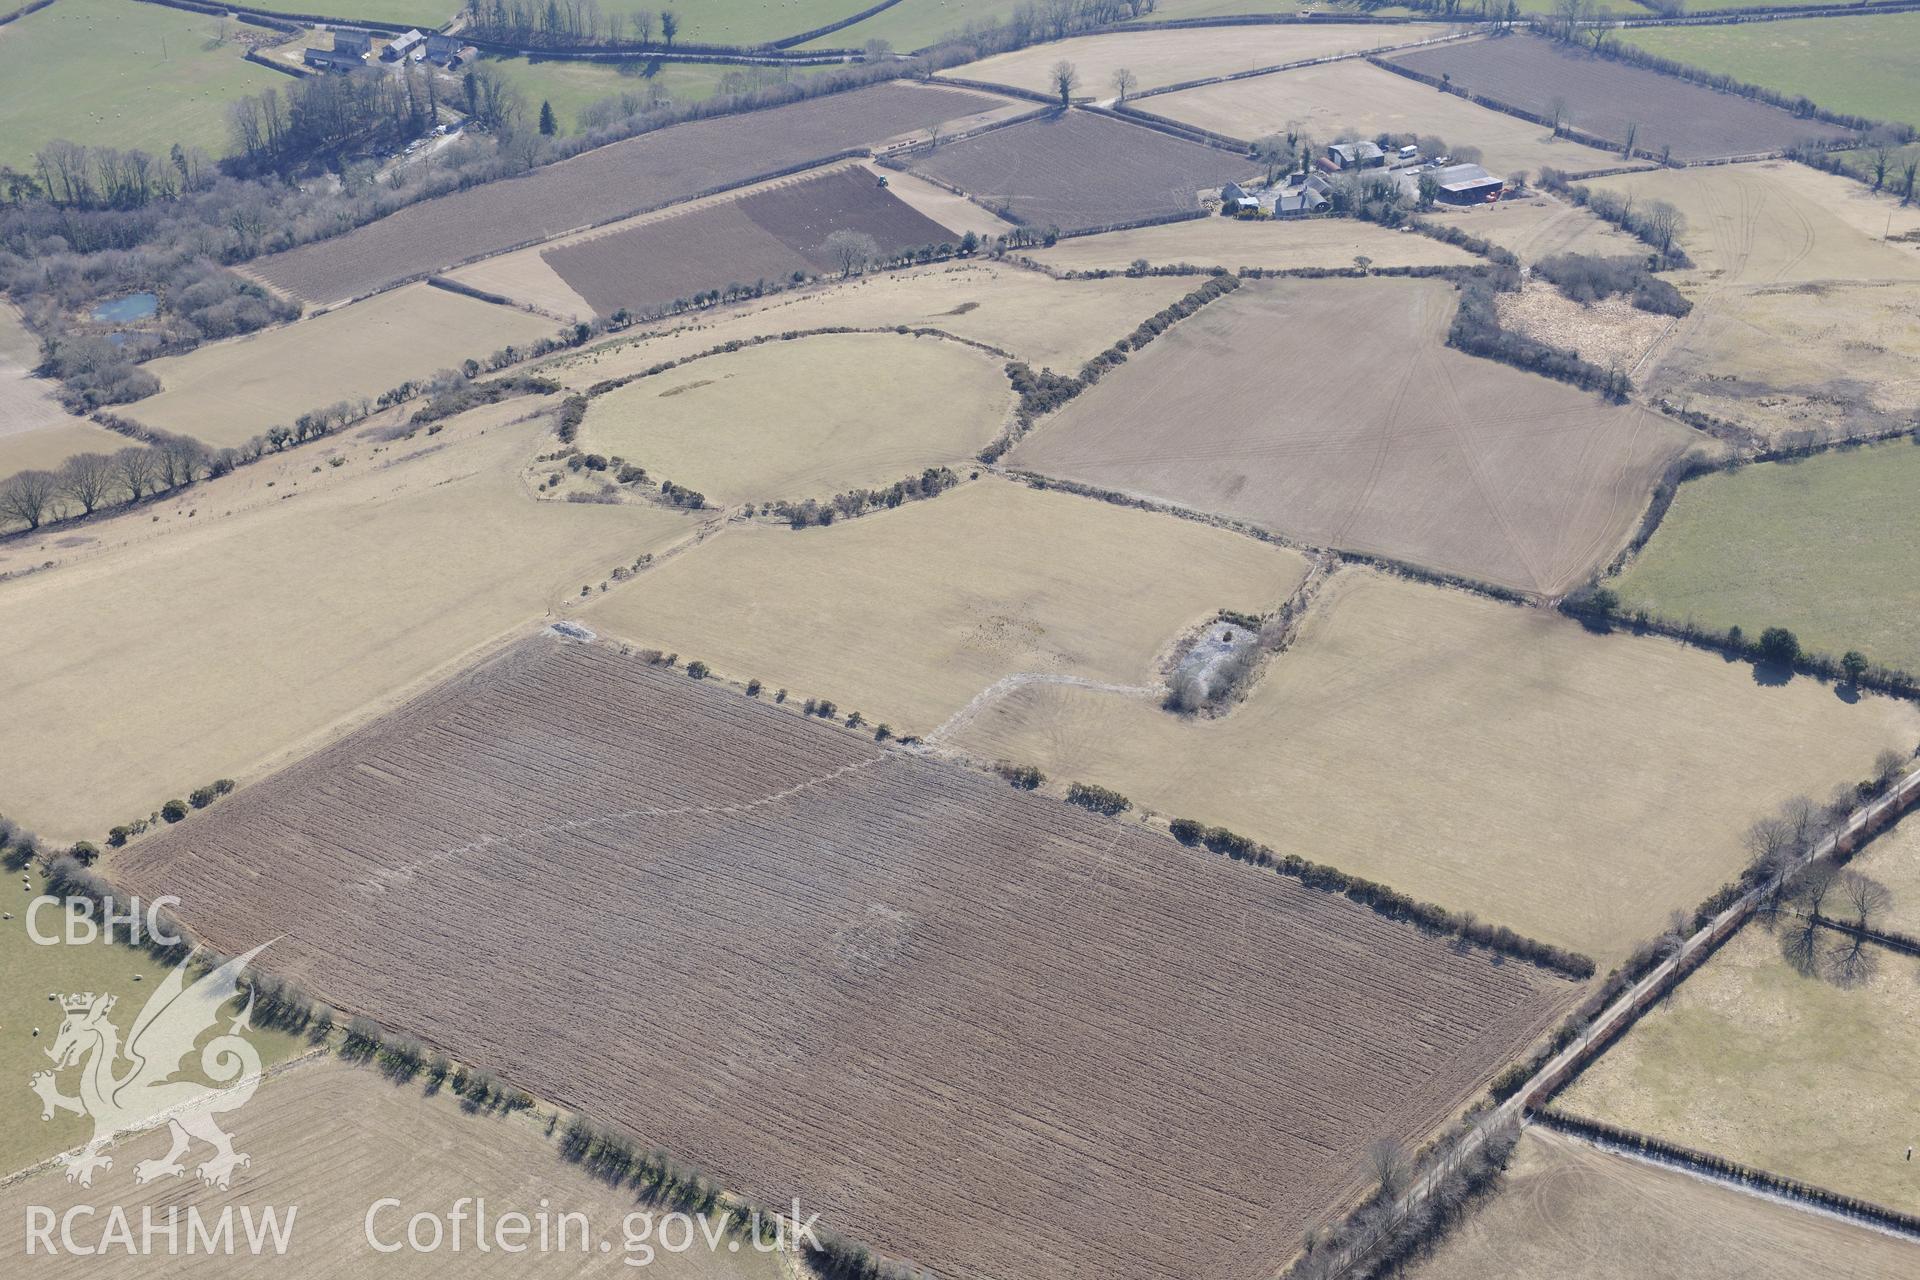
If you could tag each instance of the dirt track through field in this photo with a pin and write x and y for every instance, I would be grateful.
(976, 1026)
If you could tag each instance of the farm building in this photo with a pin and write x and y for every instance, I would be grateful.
(1467, 184)
(448, 51)
(334, 59)
(357, 44)
(1355, 155)
(402, 46)
(1312, 196)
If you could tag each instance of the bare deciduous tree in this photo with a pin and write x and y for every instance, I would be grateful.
(1124, 82)
(1864, 897)
(27, 497)
(1065, 78)
(88, 479)
(852, 250)
(1391, 1166)
(135, 470)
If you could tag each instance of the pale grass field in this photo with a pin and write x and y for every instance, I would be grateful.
(1052, 323)
(1322, 102)
(1780, 223)
(1750, 1060)
(1894, 860)
(219, 632)
(905, 615)
(1275, 245)
(1576, 787)
(1824, 357)
(45, 448)
(226, 392)
(1539, 226)
(334, 1139)
(35, 431)
(1333, 411)
(1174, 57)
(807, 418)
(1571, 1212)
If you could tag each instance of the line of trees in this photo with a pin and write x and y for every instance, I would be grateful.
(313, 117)
(1383, 899)
(1776, 646)
(1655, 223)
(1476, 330)
(810, 512)
(1390, 1229)
(1733, 1170)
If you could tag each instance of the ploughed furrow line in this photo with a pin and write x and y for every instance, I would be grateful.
(971, 1025)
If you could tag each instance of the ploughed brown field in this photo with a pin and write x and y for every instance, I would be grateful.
(1080, 170)
(974, 1026)
(765, 236)
(1366, 433)
(645, 172)
(1605, 98)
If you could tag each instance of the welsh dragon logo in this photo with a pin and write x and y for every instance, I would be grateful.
(130, 1086)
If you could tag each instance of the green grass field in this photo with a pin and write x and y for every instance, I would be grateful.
(1825, 547)
(1863, 66)
(424, 14)
(33, 972)
(571, 86)
(118, 73)
(741, 22)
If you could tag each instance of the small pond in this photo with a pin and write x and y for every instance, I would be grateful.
(135, 306)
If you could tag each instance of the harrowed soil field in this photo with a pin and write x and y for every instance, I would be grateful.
(646, 172)
(334, 1140)
(1606, 98)
(1860, 65)
(807, 418)
(1278, 245)
(1177, 56)
(120, 74)
(1080, 170)
(262, 609)
(227, 392)
(907, 614)
(766, 235)
(1491, 758)
(1824, 546)
(1793, 1074)
(1572, 1212)
(1323, 102)
(1047, 323)
(967, 1000)
(1366, 433)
